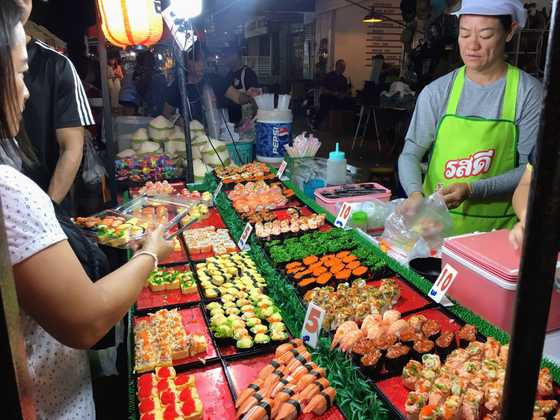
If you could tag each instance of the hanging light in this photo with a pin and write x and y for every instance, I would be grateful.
(373, 17)
(186, 9)
(131, 22)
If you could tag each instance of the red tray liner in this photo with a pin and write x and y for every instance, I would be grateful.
(193, 320)
(213, 219)
(243, 372)
(410, 299)
(393, 388)
(177, 186)
(149, 299)
(213, 390)
(176, 257)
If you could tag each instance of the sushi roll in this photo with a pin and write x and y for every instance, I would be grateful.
(451, 407)
(213, 305)
(245, 343)
(408, 336)
(232, 311)
(411, 374)
(422, 347)
(397, 357)
(372, 362)
(276, 317)
(417, 321)
(262, 339)
(278, 335)
(431, 362)
(466, 335)
(239, 333)
(445, 344)
(259, 329)
(431, 329)
(362, 346)
(385, 341)
(415, 401)
(253, 322)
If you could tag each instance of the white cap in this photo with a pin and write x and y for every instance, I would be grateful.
(514, 8)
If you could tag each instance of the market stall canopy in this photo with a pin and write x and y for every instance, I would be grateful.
(43, 34)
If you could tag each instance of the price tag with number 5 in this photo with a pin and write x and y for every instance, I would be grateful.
(443, 283)
(312, 325)
(343, 215)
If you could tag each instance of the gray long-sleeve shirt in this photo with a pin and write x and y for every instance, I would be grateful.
(479, 101)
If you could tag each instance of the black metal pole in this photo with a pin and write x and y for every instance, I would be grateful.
(540, 248)
(182, 83)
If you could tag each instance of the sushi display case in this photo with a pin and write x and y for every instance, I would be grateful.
(402, 344)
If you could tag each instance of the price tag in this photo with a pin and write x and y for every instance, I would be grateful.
(343, 216)
(282, 169)
(312, 324)
(242, 244)
(443, 283)
(218, 189)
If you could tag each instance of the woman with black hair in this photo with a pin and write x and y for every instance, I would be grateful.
(63, 311)
(478, 124)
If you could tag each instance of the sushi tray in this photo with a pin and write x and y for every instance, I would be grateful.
(197, 394)
(303, 393)
(286, 223)
(172, 337)
(207, 242)
(175, 191)
(169, 287)
(251, 172)
(257, 196)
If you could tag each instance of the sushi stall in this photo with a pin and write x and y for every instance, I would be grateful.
(385, 347)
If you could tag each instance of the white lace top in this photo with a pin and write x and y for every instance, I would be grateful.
(60, 374)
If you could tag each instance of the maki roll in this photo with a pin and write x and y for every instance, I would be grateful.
(262, 339)
(213, 305)
(445, 344)
(431, 329)
(372, 362)
(415, 401)
(362, 347)
(422, 347)
(397, 357)
(385, 341)
(417, 321)
(245, 343)
(259, 329)
(411, 374)
(409, 336)
(239, 333)
(276, 335)
(253, 322)
(466, 335)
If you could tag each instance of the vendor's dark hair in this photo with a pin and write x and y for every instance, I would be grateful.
(506, 21)
(10, 16)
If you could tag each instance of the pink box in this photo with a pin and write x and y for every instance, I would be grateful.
(486, 283)
(330, 204)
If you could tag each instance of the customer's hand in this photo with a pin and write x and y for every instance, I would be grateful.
(157, 244)
(455, 194)
(252, 92)
(517, 235)
(410, 206)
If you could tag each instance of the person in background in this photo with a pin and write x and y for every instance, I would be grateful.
(241, 78)
(520, 202)
(197, 78)
(143, 90)
(55, 116)
(478, 124)
(62, 311)
(335, 93)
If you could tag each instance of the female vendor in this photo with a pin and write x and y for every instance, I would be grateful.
(479, 123)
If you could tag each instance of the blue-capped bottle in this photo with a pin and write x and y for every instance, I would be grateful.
(336, 167)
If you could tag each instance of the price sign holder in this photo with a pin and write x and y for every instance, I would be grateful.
(281, 170)
(218, 189)
(312, 325)
(442, 285)
(242, 244)
(343, 215)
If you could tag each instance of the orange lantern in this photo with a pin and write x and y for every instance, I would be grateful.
(131, 22)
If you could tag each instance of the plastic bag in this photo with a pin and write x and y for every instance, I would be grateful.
(422, 234)
(94, 171)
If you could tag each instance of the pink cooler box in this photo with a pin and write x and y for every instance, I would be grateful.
(488, 270)
(329, 204)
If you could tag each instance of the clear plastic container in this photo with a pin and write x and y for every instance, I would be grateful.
(359, 220)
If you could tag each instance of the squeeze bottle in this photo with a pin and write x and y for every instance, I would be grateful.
(336, 167)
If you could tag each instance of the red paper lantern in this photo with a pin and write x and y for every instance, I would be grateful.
(131, 22)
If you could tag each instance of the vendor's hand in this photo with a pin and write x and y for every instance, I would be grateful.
(516, 235)
(455, 194)
(157, 244)
(252, 92)
(410, 206)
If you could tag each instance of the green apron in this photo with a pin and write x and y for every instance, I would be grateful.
(467, 149)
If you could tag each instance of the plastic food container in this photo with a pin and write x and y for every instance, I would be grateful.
(379, 192)
(488, 270)
(360, 220)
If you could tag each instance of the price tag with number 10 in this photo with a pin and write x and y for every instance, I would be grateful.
(312, 325)
(343, 216)
(443, 283)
